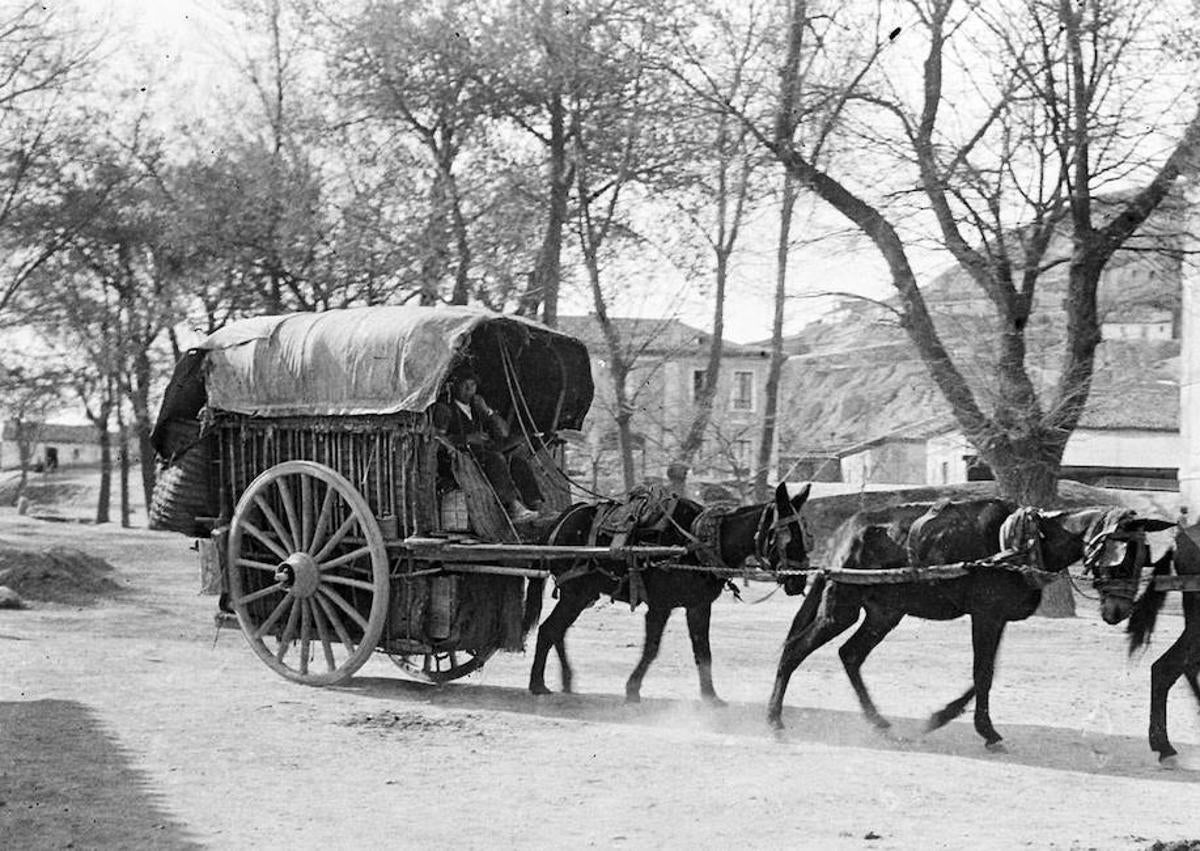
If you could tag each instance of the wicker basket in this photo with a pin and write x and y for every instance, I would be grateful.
(454, 512)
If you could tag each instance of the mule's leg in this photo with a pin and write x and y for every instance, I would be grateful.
(1166, 669)
(567, 675)
(810, 629)
(985, 640)
(698, 618)
(656, 622)
(877, 624)
(950, 711)
(552, 633)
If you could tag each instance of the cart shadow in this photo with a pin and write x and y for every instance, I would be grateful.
(1056, 748)
(66, 781)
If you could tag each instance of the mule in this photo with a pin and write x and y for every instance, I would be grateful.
(924, 534)
(1117, 585)
(773, 532)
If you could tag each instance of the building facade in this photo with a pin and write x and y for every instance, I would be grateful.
(50, 445)
(669, 359)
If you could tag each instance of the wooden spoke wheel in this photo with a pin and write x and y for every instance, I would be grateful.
(441, 666)
(308, 573)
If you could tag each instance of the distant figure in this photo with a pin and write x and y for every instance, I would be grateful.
(1183, 517)
(22, 505)
(469, 424)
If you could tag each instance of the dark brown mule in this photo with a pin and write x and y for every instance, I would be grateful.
(772, 532)
(922, 534)
(1117, 584)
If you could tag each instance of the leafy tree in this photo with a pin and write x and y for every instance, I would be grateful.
(545, 64)
(114, 292)
(411, 66)
(44, 63)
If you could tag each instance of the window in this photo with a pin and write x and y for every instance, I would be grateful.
(743, 391)
(698, 376)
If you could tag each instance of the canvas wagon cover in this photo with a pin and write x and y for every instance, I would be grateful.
(370, 360)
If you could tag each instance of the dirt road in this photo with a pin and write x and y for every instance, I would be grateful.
(123, 725)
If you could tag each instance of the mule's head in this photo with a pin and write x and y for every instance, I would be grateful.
(1115, 553)
(782, 539)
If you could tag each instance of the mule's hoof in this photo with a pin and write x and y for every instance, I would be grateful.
(713, 700)
(538, 689)
(935, 722)
(996, 747)
(775, 722)
(880, 723)
(1170, 763)
(633, 698)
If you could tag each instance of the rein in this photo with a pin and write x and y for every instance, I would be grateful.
(704, 538)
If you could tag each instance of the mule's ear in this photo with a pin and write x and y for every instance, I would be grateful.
(782, 499)
(1153, 524)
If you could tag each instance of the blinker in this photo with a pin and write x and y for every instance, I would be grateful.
(1111, 554)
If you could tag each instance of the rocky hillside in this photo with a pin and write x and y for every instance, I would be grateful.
(856, 377)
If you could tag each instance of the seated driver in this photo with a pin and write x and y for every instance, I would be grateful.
(468, 423)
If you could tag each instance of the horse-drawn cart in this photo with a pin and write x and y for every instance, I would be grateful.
(302, 445)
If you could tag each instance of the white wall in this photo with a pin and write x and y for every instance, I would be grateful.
(69, 454)
(944, 462)
(856, 467)
(1123, 448)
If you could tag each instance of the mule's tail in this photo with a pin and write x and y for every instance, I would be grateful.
(1146, 608)
(532, 613)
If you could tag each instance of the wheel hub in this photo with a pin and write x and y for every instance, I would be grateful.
(300, 574)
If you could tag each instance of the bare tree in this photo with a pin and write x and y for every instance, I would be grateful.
(725, 176)
(618, 151)
(1009, 164)
(1003, 189)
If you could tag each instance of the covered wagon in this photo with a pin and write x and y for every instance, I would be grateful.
(302, 444)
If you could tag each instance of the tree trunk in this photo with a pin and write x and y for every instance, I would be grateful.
(104, 498)
(123, 462)
(1032, 479)
(766, 444)
(625, 441)
(542, 290)
(24, 451)
(462, 242)
(712, 371)
(143, 422)
(436, 236)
